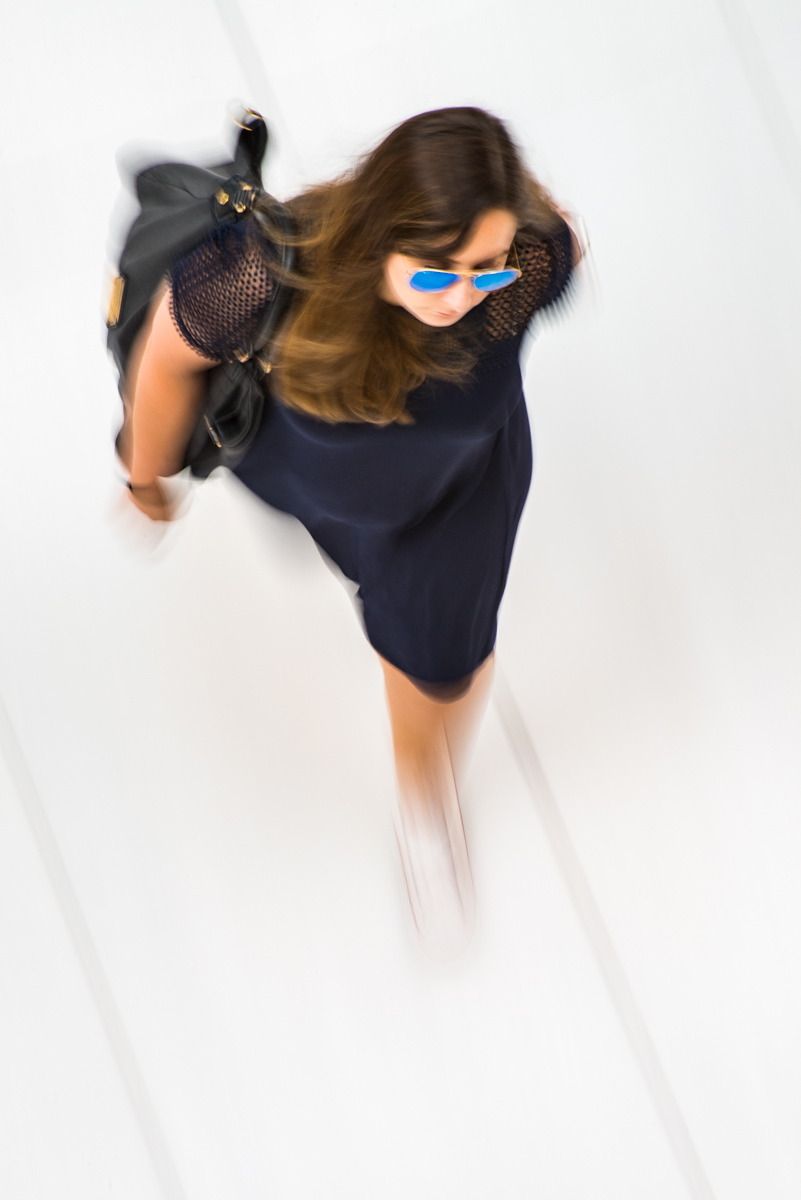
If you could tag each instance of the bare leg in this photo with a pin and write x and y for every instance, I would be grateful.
(463, 717)
(426, 731)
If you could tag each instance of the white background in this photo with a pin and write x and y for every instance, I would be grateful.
(206, 984)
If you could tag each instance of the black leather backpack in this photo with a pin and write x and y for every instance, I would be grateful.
(180, 205)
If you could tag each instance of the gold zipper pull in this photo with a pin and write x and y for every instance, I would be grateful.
(212, 433)
(115, 303)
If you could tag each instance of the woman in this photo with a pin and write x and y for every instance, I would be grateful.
(397, 430)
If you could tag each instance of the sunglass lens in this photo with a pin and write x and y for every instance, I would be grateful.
(432, 281)
(497, 279)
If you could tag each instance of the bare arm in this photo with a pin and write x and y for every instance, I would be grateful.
(166, 386)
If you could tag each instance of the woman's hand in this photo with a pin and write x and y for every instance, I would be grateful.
(151, 500)
(570, 221)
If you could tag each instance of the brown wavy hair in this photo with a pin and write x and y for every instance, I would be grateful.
(343, 353)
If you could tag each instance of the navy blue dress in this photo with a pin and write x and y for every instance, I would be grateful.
(422, 517)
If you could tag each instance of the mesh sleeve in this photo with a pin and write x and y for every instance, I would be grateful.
(220, 289)
(547, 267)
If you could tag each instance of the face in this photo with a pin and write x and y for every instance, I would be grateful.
(487, 248)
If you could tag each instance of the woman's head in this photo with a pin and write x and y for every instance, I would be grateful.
(487, 248)
(449, 189)
(444, 189)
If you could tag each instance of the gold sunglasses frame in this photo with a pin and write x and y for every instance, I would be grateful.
(474, 275)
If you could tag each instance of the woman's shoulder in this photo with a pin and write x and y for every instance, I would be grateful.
(221, 288)
(546, 265)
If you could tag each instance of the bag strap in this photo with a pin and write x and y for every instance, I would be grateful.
(251, 146)
(237, 197)
(280, 214)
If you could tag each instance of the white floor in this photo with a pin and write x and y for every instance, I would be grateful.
(208, 988)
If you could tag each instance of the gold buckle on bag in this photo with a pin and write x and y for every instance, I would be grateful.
(242, 200)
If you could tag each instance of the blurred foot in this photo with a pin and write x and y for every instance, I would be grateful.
(436, 865)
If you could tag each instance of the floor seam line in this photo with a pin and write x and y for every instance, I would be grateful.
(765, 91)
(243, 45)
(89, 960)
(614, 978)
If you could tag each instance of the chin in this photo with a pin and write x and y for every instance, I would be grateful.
(431, 317)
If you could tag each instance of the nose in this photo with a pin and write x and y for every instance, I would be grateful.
(461, 295)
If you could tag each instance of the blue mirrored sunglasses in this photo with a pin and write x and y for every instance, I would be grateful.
(430, 280)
